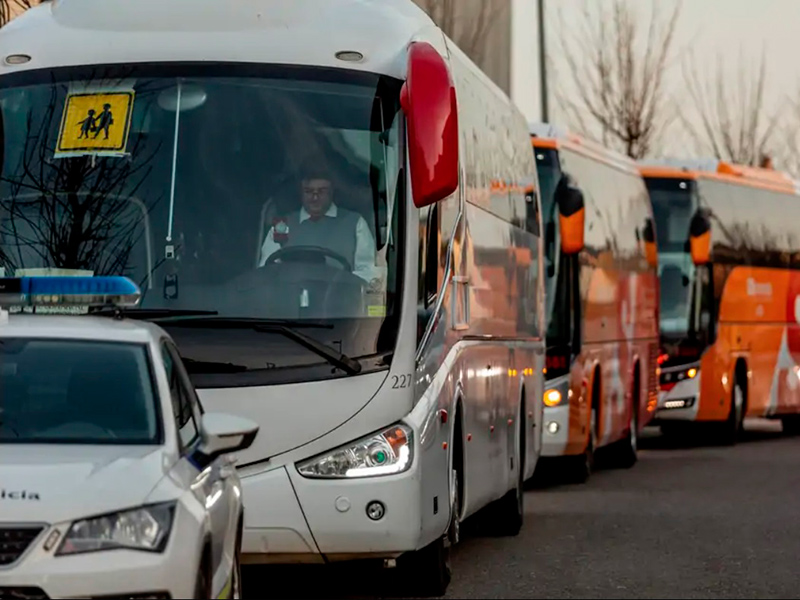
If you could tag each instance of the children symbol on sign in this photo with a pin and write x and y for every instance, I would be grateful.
(104, 121)
(87, 125)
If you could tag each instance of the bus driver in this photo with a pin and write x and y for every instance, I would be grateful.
(320, 222)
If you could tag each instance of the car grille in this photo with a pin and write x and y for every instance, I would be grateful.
(14, 541)
(21, 593)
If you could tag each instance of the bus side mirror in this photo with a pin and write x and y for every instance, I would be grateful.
(428, 99)
(571, 215)
(650, 249)
(700, 238)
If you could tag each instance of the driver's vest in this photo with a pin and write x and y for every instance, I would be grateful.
(334, 233)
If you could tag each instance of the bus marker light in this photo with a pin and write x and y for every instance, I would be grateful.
(444, 445)
(553, 427)
(376, 510)
(17, 59)
(691, 373)
(469, 437)
(350, 56)
(443, 415)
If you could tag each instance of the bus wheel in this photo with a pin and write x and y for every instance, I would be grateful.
(734, 425)
(791, 425)
(428, 570)
(581, 466)
(504, 517)
(626, 451)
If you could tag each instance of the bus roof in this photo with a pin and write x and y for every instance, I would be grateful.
(301, 32)
(712, 168)
(555, 137)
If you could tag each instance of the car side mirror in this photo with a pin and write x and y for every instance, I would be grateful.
(224, 434)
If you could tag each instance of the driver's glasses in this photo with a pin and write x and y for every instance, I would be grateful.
(316, 192)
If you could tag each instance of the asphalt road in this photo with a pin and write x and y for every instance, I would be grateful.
(685, 522)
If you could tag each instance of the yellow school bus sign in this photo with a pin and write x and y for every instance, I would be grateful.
(95, 123)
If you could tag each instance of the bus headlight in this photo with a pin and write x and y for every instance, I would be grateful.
(384, 453)
(552, 398)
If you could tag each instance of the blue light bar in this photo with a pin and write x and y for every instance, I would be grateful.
(68, 291)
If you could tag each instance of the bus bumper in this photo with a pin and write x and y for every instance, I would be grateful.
(679, 403)
(556, 431)
(292, 519)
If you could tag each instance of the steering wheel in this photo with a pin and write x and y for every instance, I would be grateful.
(288, 251)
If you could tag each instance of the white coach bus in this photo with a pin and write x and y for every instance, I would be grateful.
(334, 214)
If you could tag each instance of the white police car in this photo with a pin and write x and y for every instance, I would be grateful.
(113, 482)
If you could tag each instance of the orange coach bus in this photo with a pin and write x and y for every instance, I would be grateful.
(601, 383)
(729, 261)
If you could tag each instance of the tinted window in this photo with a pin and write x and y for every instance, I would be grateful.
(181, 399)
(89, 393)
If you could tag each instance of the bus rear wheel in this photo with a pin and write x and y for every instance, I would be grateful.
(732, 428)
(791, 425)
(625, 453)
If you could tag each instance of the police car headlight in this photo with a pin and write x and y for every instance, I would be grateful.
(146, 528)
(385, 453)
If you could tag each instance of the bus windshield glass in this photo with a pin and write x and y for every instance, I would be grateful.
(549, 173)
(674, 203)
(233, 195)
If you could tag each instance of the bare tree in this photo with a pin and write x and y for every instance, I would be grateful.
(72, 213)
(467, 22)
(786, 144)
(11, 8)
(733, 122)
(616, 77)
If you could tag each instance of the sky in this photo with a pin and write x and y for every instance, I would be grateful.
(725, 30)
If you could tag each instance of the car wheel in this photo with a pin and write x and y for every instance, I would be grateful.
(202, 586)
(236, 576)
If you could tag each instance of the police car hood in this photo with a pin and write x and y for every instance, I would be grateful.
(45, 483)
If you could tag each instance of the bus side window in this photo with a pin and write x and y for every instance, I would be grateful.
(428, 268)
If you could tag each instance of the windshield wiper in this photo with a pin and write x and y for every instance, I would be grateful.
(152, 313)
(199, 367)
(286, 327)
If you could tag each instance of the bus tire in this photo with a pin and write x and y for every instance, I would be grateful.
(625, 453)
(428, 570)
(733, 426)
(581, 467)
(504, 517)
(790, 425)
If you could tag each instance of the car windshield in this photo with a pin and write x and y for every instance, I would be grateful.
(245, 191)
(89, 393)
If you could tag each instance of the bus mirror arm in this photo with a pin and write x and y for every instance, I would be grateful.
(571, 215)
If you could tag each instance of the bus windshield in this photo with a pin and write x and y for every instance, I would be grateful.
(674, 203)
(549, 173)
(229, 193)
